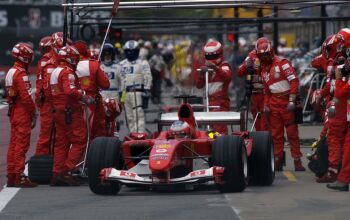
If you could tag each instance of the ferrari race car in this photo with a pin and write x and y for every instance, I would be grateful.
(183, 155)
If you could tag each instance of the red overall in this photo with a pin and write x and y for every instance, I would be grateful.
(23, 109)
(93, 79)
(71, 134)
(45, 106)
(280, 81)
(219, 82)
(342, 93)
(257, 97)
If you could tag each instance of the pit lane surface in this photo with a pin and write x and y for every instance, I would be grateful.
(294, 195)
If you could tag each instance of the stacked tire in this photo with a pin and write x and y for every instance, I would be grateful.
(40, 168)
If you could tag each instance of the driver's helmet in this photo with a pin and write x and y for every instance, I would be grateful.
(180, 129)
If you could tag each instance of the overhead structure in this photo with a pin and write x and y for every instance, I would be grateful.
(180, 24)
(198, 3)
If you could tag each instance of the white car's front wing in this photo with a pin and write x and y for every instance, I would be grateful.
(123, 176)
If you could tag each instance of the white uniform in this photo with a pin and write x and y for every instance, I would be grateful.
(114, 81)
(136, 78)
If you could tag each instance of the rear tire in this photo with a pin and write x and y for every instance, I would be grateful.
(261, 160)
(104, 152)
(229, 152)
(40, 168)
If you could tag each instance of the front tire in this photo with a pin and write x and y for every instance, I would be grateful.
(104, 152)
(262, 160)
(230, 153)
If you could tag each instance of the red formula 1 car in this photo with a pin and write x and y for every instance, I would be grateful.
(183, 155)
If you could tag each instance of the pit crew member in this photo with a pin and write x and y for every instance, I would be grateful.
(220, 75)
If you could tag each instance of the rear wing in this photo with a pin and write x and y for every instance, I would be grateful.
(204, 118)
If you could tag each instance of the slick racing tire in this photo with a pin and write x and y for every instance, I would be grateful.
(40, 168)
(230, 153)
(262, 160)
(104, 152)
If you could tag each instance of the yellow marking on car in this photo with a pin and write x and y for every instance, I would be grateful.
(290, 176)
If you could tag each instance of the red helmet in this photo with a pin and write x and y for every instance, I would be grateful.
(324, 44)
(214, 52)
(57, 41)
(45, 44)
(69, 54)
(23, 52)
(180, 129)
(264, 50)
(82, 47)
(333, 45)
(345, 33)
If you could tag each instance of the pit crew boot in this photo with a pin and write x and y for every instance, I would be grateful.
(328, 177)
(298, 166)
(337, 185)
(11, 177)
(24, 182)
(279, 163)
(63, 179)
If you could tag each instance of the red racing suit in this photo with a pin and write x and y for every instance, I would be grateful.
(325, 66)
(257, 97)
(93, 79)
(281, 81)
(335, 126)
(44, 102)
(21, 112)
(342, 93)
(71, 129)
(320, 62)
(219, 82)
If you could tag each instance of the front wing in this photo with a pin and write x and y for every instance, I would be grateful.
(198, 176)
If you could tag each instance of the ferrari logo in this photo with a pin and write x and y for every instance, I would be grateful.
(85, 82)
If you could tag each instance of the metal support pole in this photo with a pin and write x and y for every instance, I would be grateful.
(71, 33)
(236, 29)
(260, 25)
(65, 23)
(275, 30)
(323, 23)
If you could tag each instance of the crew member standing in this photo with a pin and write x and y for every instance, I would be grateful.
(92, 79)
(136, 82)
(251, 65)
(342, 94)
(335, 122)
(220, 75)
(281, 88)
(71, 131)
(111, 95)
(43, 95)
(22, 115)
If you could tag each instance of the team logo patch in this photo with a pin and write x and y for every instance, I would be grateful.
(127, 70)
(85, 82)
(277, 75)
(256, 63)
(285, 66)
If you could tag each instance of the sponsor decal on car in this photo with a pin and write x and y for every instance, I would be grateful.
(160, 157)
(128, 174)
(197, 173)
(165, 146)
(161, 150)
